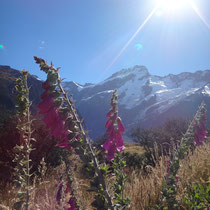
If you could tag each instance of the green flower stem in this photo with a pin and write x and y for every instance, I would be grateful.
(86, 140)
(187, 142)
(28, 151)
(57, 82)
(23, 151)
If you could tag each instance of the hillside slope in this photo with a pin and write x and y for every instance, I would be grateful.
(145, 100)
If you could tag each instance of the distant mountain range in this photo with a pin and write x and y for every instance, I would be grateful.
(144, 100)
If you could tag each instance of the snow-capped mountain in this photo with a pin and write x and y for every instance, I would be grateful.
(144, 100)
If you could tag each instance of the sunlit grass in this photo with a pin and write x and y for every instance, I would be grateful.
(133, 148)
(142, 188)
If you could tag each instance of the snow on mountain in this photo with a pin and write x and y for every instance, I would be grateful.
(100, 94)
(143, 98)
(206, 90)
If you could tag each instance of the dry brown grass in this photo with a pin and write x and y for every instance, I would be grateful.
(42, 196)
(133, 148)
(142, 188)
(195, 168)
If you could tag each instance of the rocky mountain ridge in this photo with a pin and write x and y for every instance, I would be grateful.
(145, 100)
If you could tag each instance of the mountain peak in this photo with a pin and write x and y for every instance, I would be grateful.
(137, 70)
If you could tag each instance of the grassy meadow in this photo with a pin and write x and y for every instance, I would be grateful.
(142, 187)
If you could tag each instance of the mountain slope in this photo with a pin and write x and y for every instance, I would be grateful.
(8, 78)
(145, 100)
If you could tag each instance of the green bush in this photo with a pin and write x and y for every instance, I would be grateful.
(198, 197)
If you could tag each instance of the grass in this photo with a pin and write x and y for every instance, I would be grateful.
(142, 188)
(133, 148)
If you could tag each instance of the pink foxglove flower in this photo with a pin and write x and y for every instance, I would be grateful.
(59, 192)
(111, 129)
(58, 128)
(120, 125)
(200, 132)
(45, 94)
(200, 135)
(110, 113)
(46, 104)
(64, 143)
(52, 118)
(71, 201)
(72, 204)
(108, 123)
(46, 84)
(107, 144)
(119, 142)
(115, 128)
(111, 152)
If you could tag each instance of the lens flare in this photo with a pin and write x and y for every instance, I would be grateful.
(169, 6)
(131, 39)
(139, 46)
(1, 47)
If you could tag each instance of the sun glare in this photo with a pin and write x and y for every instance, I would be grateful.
(171, 5)
(162, 6)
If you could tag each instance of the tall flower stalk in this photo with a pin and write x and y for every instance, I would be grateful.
(194, 136)
(22, 151)
(113, 146)
(71, 132)
(115, 129)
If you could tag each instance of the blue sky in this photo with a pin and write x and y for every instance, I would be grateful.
(84, 37)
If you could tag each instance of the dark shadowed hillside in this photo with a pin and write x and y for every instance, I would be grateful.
(8, 78)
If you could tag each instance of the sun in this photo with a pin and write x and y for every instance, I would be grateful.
(171, 5)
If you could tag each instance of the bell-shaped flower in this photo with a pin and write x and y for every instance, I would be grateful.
(110, 113)
(108, 123)
(72, 204)
(114, 128)
(119, 142)
(111, 152)
(45, 94)
(46, 104)
(59, 192)
(64, 142)
(200, 133)
(58, 128)
(120, 126)
(46, 84)
(110, 129)
(50, 117)
(107, 144)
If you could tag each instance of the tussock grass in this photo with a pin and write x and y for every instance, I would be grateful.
(133, 148)
(195, 169)
(142, 187)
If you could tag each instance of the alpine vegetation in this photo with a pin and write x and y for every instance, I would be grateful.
(115, 129)
(108, 174)
(22, 159)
